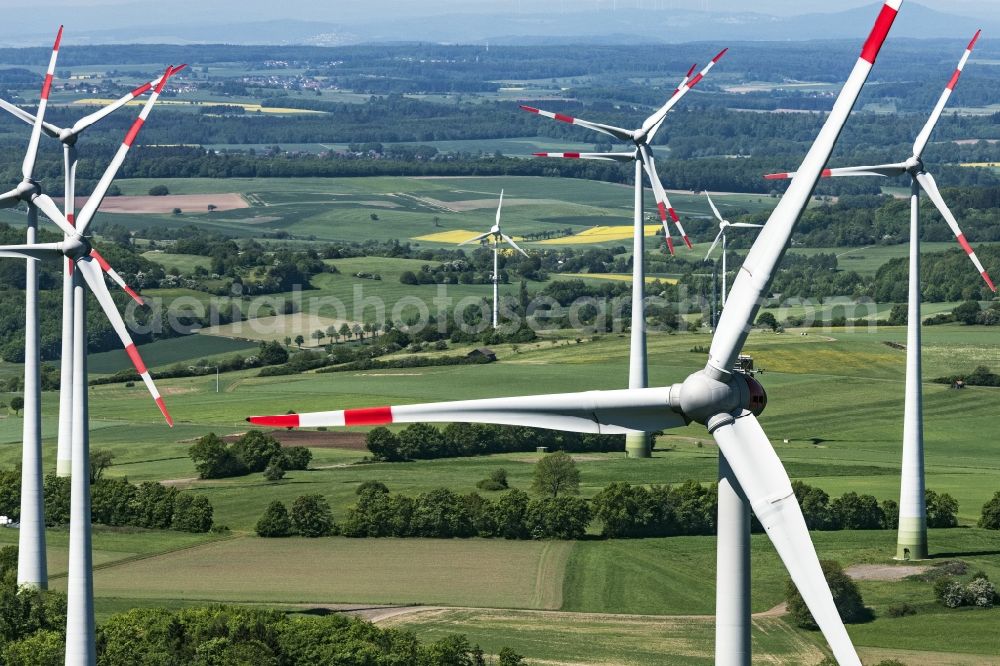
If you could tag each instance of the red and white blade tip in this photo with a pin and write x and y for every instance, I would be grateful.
(670, 245)
(721, 53)
(869, 52)
(687, 241)
(777, 176)
(140, 367)
(163, 79)
(691, 71)
(367, 416)
(975, 39)
(972, 255)
(163, 410)
(135, 297)
(55, 47)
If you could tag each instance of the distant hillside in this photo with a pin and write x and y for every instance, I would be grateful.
(606, 27)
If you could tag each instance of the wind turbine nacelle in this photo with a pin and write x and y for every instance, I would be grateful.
(758, 396)
(701, 396)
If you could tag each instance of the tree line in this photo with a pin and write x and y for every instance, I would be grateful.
(421, 441)
(115, 502)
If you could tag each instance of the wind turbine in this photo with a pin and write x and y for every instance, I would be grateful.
(87, 270)
(497, 235)
(637, 445)
(68, 137)
(911, 540)
(723, 225)
(32, 570)
(721, 397)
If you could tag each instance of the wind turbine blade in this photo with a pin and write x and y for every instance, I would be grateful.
(26, 117)
(887, 170)
(32, 251)
(662, 112)
(10, 198)
(767, 487)
(28, 166)
(662, 202)
(510, 241)
(658, 194)
(113, 274)
(49, 208)
(687, 77)
(602, 412)
(610, 130)
(925, 133)
(609, 157)
(95, 280)
(657, 126)
(754, 279)
(746, 225)
(477, 238)
(646, 155)
(499, 206)
(718, 237)
(715, 210)
(930, 187)
(97, 197)
(88, 120)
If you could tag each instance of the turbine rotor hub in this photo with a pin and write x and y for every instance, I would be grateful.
(76, 247)
(28, 188)
(701, 397)
(914, 164)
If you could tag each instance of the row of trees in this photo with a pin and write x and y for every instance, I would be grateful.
(439, 514)
(254, 451)
(115, 502)
(621, 510)
(423, 441)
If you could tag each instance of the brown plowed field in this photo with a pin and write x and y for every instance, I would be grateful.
(188, 203)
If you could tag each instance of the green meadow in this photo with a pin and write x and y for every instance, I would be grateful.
(834, 417)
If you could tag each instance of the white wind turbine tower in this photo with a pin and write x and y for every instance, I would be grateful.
(497, 235)
(68, 137)
(911, 540)
(723, 225)
(32, 570)
(721, 397)
(637, 445)
(87, 270)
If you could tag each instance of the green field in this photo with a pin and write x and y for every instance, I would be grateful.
(168, 352)
(834, 416)
(340, 208)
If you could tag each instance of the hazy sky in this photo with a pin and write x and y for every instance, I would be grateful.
(302, 8)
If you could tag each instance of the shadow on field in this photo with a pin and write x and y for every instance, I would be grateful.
(970, 553)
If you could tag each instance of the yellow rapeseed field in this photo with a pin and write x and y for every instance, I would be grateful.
(600, 234)
(453, 236)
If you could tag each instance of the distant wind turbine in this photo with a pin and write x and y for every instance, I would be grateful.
(497, 235)
(911, 540)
